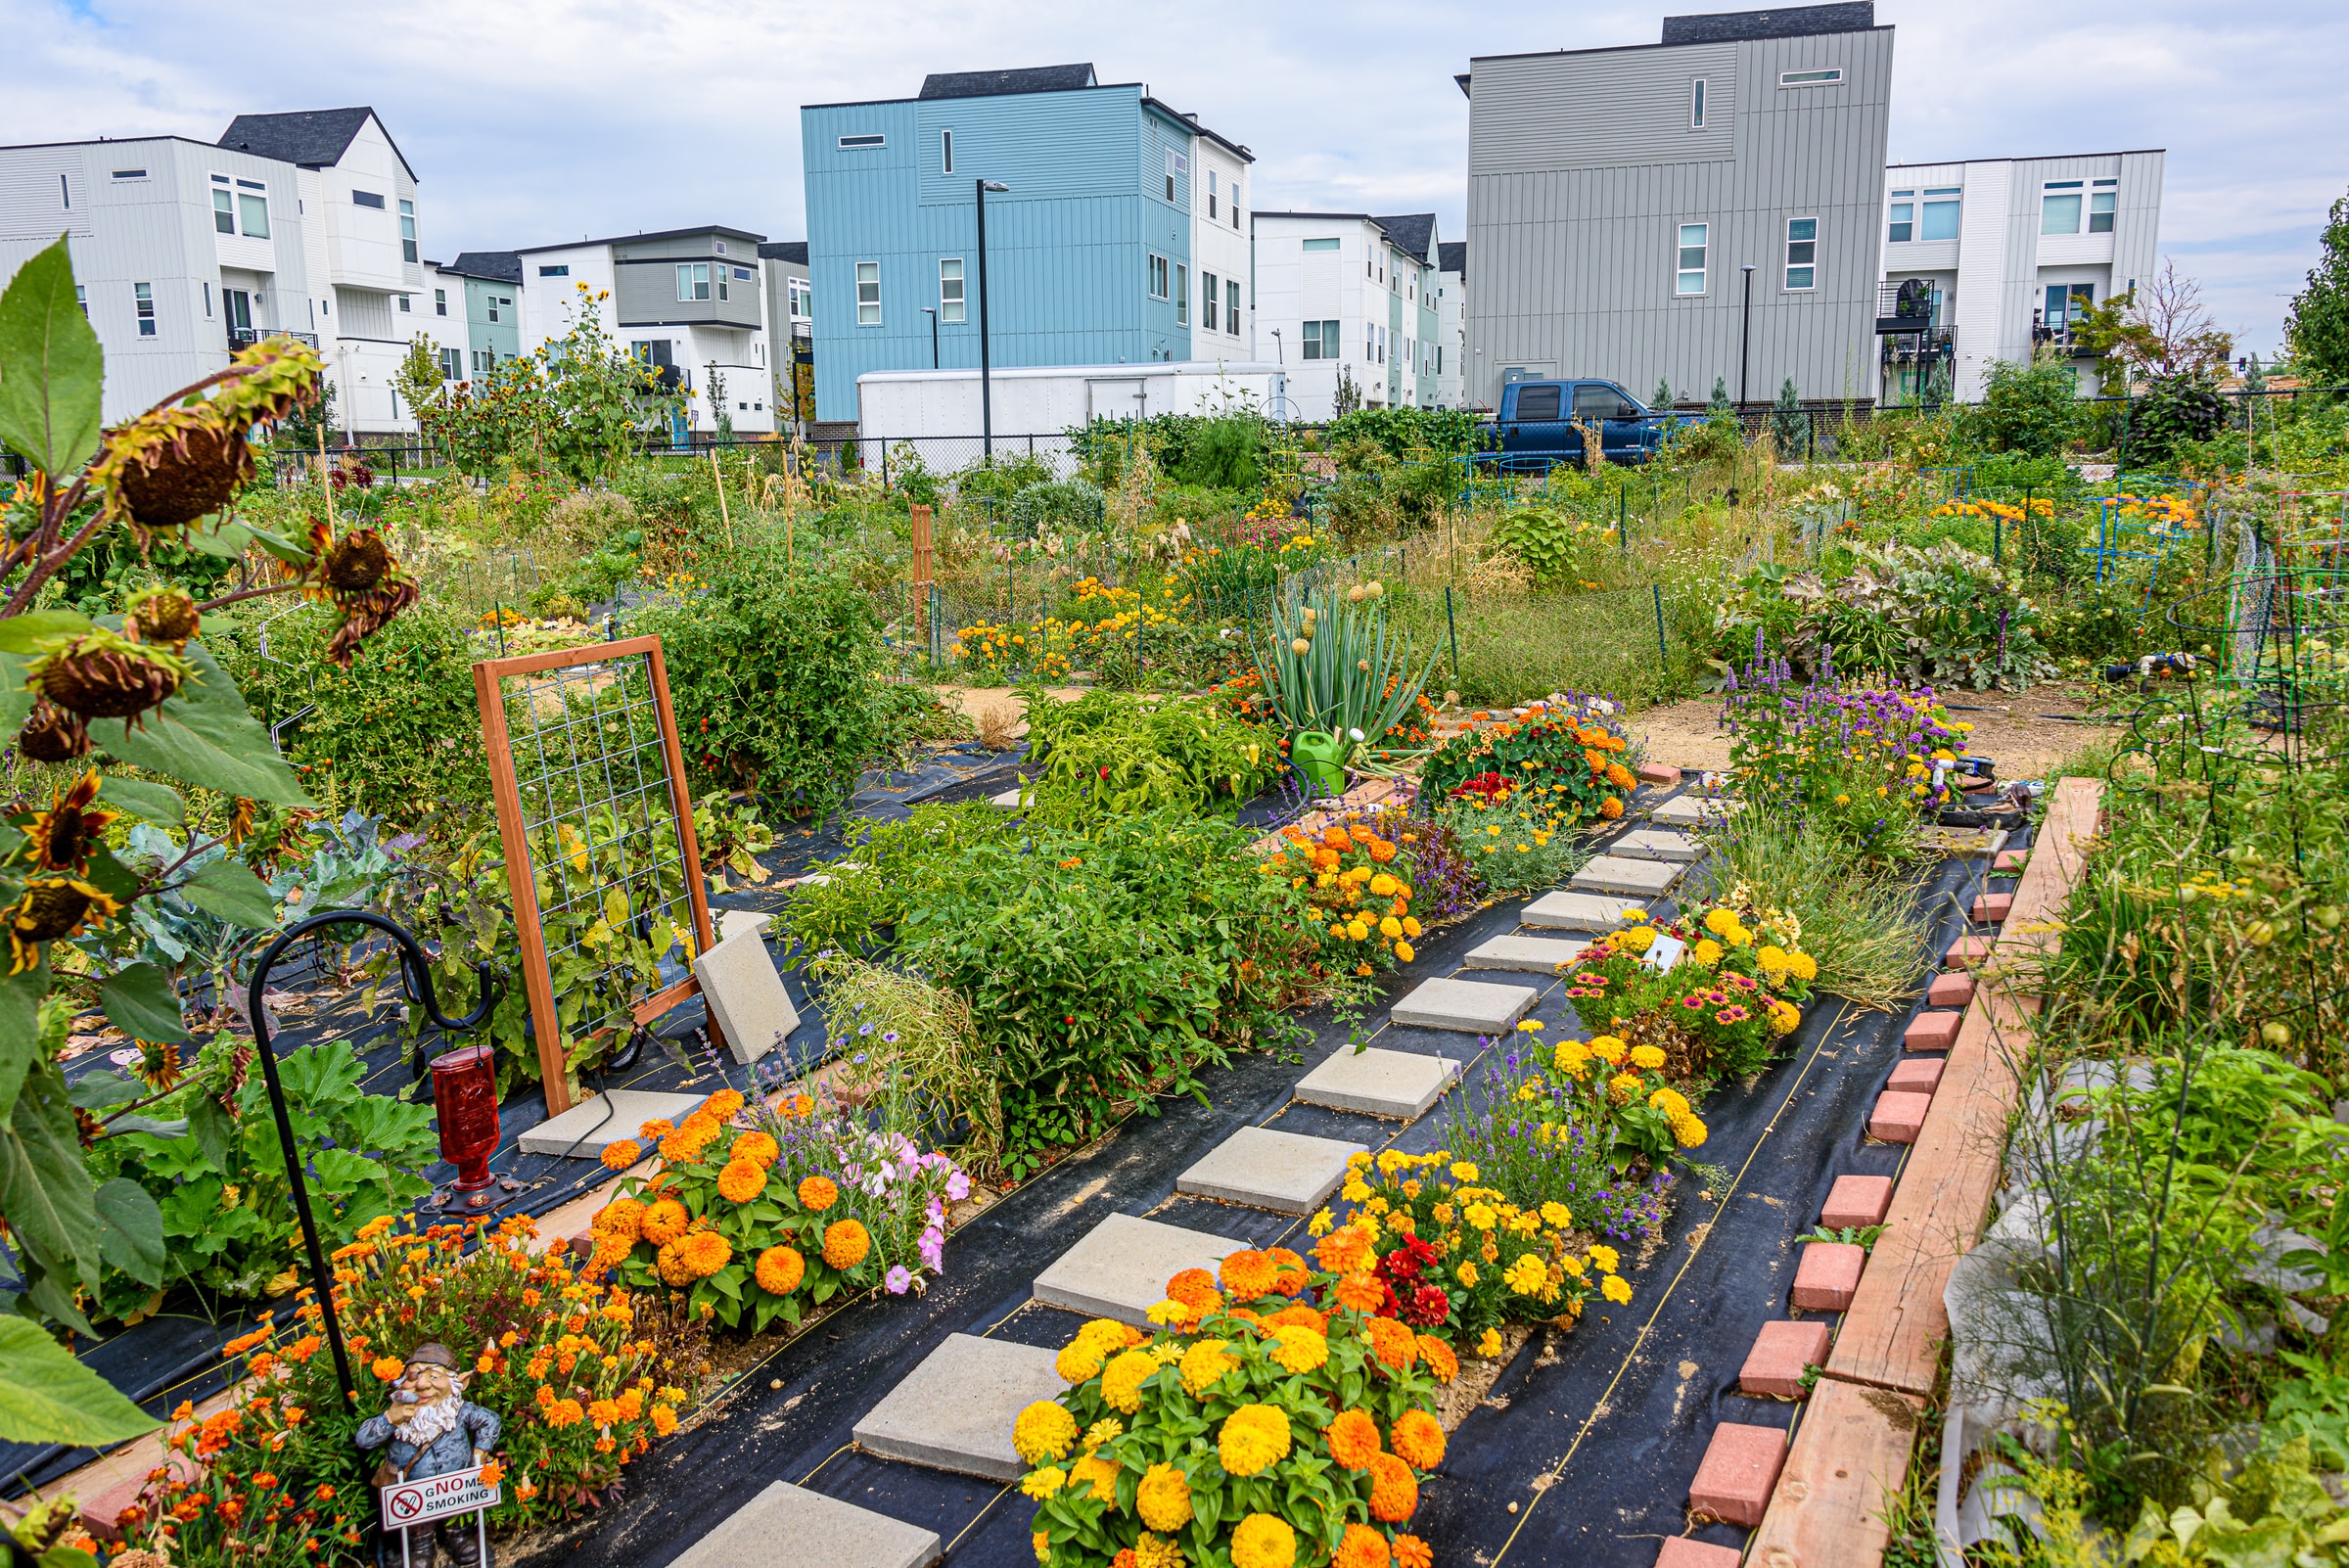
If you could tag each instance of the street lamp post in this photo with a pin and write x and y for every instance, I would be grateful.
(1745, 342)
(986, 404)
(933, 315)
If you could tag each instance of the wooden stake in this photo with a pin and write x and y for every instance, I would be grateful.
(719, 474)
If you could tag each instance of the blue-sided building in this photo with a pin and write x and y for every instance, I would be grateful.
(1122, 237)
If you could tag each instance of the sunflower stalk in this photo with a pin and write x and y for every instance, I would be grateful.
(1332, 662)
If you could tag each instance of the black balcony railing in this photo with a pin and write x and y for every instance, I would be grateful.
(246, 337)
(1908, 305)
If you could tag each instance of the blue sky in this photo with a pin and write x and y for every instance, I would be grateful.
(529, 123)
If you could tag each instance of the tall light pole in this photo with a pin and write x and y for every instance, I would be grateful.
(986, 402)
(933, 315)
(1745, 342)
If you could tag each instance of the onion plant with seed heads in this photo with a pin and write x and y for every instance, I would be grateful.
(1333, 663)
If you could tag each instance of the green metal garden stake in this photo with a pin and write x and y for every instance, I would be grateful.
(1453, 626)
(1623, 531)
(1663, 653)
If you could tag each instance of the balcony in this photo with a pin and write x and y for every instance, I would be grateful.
(246, 337)
(1912, 346)
(1908, 306)
(2064, 339)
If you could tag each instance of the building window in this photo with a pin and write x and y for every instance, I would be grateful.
(452, 364)
(497, 303)
(1941, 213)
(868, 294)
(253, 215)
(1210, 294)
(946, 152)
(1696, 103)
(82, 297)
(208, 302)
(1182, 294)
(1320, 340)
(1689, 276)
(1808, 78)
(721, 284)
(439, 301)
(796, 291)
(1802, 254)
(1901, 227)
(2103, 202)
(563, 271)
(693, 281)
(853, 142)
(1231, 305)
(407, 231)
(1211, 201)
(367, 198)
(2059, 207)
(144, 296)
(130, 173)
(403, 304)
(949, 291)
(225, 212)
(1321, 245)
(1157, 277)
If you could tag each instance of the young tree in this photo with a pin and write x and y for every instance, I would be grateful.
(1788, 426)
(1663, 397)
(2318, 328)
(2167, 331)
(418, 378)
(1718, 402)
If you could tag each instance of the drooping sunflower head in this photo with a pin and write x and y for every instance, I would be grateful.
(50, 908)
(101, 674)
(60, 839)
(161, 614)
(53, 734)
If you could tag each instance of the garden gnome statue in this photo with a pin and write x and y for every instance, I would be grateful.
(432, 1431)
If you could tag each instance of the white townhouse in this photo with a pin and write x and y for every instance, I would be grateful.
(1347, 296)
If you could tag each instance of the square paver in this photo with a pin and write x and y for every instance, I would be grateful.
(1693, 810)
(1991, 907)
(957, 1409)
(1931, 1031)
(1775, 1367)
(1738, 1472)
(1471, 1006)
(730, 921)
(1966, 953)
(1579, 911)
(1532, 955)
(1856, 1202)
(1683, 1552)
(746, 995)
(595, 1131)
(1899, 1117)
(1920, 1075)
(1657, 843)
(1615, 873)
(1827, 1275)
(1009, 800)
(791, 1524)
(1656, 773)
(1120, 1266)
(1264, 1168)
(1400, 1085)
(1949, 991)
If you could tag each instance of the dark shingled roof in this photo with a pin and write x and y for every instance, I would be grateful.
(1453, 256)
(1793, 22)
(503, 265)
(785, 250)
(990, 83)
(1412, 231)
(309, 138)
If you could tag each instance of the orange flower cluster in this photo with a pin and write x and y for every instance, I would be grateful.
(1358, 910)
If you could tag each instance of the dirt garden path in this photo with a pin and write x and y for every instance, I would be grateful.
(2008, 727)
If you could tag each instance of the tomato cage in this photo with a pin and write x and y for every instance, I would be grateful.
(2145, 520)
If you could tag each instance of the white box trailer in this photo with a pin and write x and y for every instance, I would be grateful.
(937, 412)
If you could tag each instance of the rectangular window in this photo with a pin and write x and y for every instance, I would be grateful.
(721, 284)
(367, 198)
(252, 185)
(796, 291)
(949, 291)
(253, 215)
(1902, 226)
(1210, 295)
(494, 303)
(742, 274)
(1320, 245)
(868, 294)
(1370, 343)
(1170, 173)
(1182, 294)
(2103, 203)
(1808, 78)
(452, 364)
(1941, 213)
(2059, 207)
(1696, 103)
(1688, 276)
(407, 231)
(225, 212)
(130, 173)
(853, 143)
(693, 281)
(1231, 305)
(946, 152)
(144, 296)
(439, 301)
(1802, 254)
(403, 302)
(562, 271)
(208, 302)
(1540, 401)
(1157, 277)
(1210, 198)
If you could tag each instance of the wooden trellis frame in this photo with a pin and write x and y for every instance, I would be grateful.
(543, 794)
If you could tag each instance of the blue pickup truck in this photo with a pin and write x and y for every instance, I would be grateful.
(1537, 424)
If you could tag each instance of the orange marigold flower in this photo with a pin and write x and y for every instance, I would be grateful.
(724, 1103)
(1392, 1343)
(564, 1413)
(656, 1129)
(670, 1262)
(741, 1181)
(1353, 1439)
(1382, 851)
(846, 1244)
(664, 1222)
(623, 1154)
(1193, 1287)
(1362, 1291)
(1610, 809)
(1343, 1251)
(1362, 1547)
(704, 1252)
(817, 1193)
(388, 1367)
(1440, 1357)
(1394, 1489)
(1413, 1553)
(780, 1271)
(1418, 1439)
(759, 1148)
(665, 1419)
(1247, 1275)
(1298, 1315)
(1289, 1276)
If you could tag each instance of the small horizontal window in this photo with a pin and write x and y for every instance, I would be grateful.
(219, 179)
(864, 141)
(2108, 184)
(1320, 245)
(367, 198)
(742, 274)
(563, 271)
(130, 173)
(253, 185)
(1808, 78)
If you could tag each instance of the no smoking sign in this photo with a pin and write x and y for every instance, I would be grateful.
(437, 1496)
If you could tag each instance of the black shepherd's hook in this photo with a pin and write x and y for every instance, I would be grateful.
(420, 991)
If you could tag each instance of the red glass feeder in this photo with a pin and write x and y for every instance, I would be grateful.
(465, 1094)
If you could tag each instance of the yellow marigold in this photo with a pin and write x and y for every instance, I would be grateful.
(1390, 928)
(1410, 926)
(1299, 1349)
(1707, 952)
(1439, 1357)
(1044, 1431)
(1121, 1380)
(1772, 959)
(1403, 952)
(1606, 1257)
(757, 1148)
(1044, 1484)
(1099, 1472)
(1526, 1276)
(1689, 1131)
(1721, 922)
(1157, 1551)
(1671, 1102)
(741, 1181)
(817, 1193)
(1392, 1343)
(1623, 1085)
(780, 1269)
(1353, 1439)
(704, 1252)
(620, 1155)
(1080, 1359)
(1108, 1428)
(1462, 1171)
(846, 1243)
(664, 1222)
(1164, 1498)
(1247, 1275)
(1804, 966)
(1384, 886)
(1647, 1058)
(1614, 1288)
(1418, 1439)
(1263, 1540)
(1785, 1017)
(1253, 1438)
(1204, 1365)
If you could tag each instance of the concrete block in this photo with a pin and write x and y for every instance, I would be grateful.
(731, 921)
(1615, 873)
(1856, 1202)
(1949, 991)
(955, 1411)
(1681, 1551)
(1899, 1117)
(1931, 1031)
(1400, 1085)
(1693, 810)
(1009, 800)
(1773, 1367)
(1471, 1006)
(1657, 843)
(1577, 911)
(1920, 1075)
(746, 995)
(1656, 773)
(1990, 907)
(1738, 1472)
(1532, 955)
(1828, 1274)
(1966, 953)
(1264, 1168)
(588, 1123)
(2007, 863)
(791, 1524)
(1120, 1266)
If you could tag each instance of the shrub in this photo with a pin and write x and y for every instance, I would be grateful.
(1550, 543)
(1517, 835)
(2176, 411)
(1115, 754)
(1223, 453)
(2031, 409)
(1859, 763)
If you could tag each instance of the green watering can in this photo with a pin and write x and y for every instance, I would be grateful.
(1322, 757)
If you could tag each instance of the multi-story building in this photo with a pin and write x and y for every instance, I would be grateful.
(791, 328)
(1451, 323)
(485, 291)
(1996, 259)
(691, 302)
(1706, 207)
(1348, 303)
(1105, 215)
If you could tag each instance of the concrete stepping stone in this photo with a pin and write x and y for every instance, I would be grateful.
(1684, 1551)
(1920, 1075)
(1471, 1006)
(1738, 1472)
(1399, 1085)
(1009, 800)
(1264, 1168)
(1827, 1275)
(791, 1524)
(957, 1409)
(1532, 955)
(598, 1122)
(730, 921)
(1856, 1202)
(1657, 843)
(1577, 911)
(1694, 810)
(1616, 873)
(1120, 1266)
(1949, 991)
(1966, 953)
(1785, 1347)
(1899, 1116)
(1990, 907)
(1931, 1031)
(746, 995)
